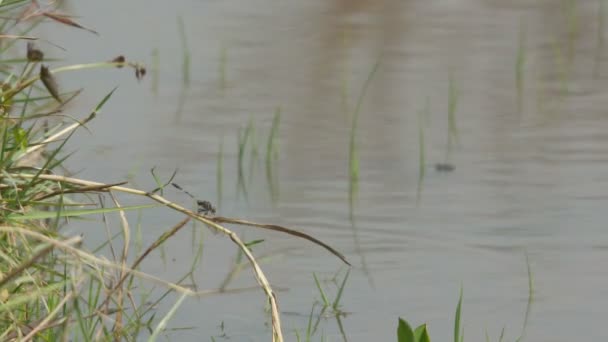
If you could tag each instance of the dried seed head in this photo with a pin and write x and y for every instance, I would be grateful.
(33, 54)
(49, 82)
(119, 59)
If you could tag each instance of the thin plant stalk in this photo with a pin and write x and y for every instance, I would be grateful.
(452, 105)
(520, 65)
(272, 156)
(422, 118)
(458, 331)
(353, 151)
(185, 51)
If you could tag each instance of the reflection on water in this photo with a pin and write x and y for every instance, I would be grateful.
(513, 95)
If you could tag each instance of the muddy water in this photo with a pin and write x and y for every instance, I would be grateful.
(528, 143)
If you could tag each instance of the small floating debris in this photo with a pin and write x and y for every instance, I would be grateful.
(444, 167)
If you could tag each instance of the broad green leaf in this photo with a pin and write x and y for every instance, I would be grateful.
(421, 334)
(404, 332)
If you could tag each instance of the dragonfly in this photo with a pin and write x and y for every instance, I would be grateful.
(204, 207)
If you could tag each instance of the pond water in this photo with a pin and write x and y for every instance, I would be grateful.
(528, 142)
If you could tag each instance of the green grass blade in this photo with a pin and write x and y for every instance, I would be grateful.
(185, 51)
(457, 336)
(323, 296)
(340, 291)
(353, 153)
(272, 155)
(163, 323)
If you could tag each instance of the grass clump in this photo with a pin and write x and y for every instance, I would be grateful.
(52, 288)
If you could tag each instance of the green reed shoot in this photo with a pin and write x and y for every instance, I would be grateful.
(422, 118)
(155, 70)
(520, 65)
(530, 279)
(327, 304)
(243, 139)
(530, 299)
(453, 95)
(254, 151)
(272, 155)
(185, 51)
(353, 151)
(458, 331)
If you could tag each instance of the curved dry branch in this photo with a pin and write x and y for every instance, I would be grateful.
(277, 228)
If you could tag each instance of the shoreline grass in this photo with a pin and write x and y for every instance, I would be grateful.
(53, 288)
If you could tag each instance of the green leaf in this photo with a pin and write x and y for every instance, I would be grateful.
(404, 332)
(20, 137)
(421, 334)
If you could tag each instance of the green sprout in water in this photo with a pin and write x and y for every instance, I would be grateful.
(185, 51)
